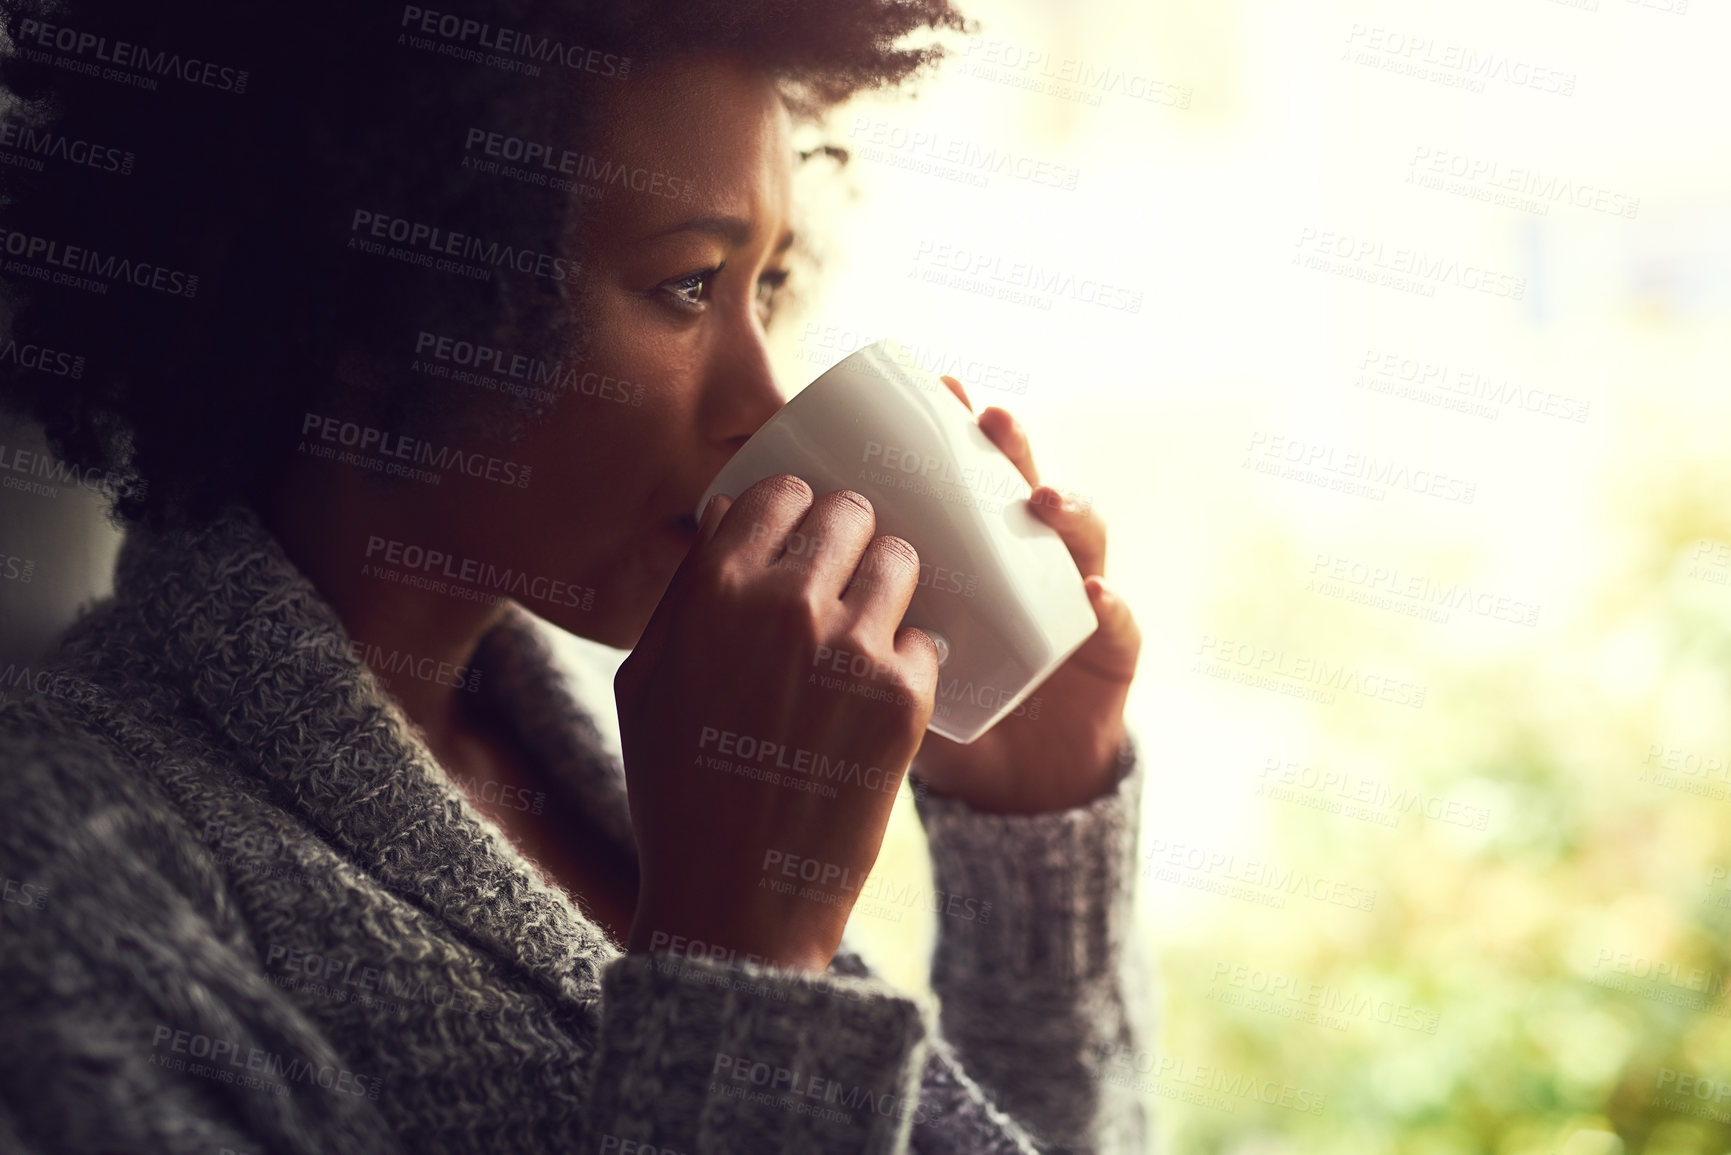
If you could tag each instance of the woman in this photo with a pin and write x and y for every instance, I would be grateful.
(330, 859)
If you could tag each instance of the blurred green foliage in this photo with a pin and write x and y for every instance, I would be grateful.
(1574, 953)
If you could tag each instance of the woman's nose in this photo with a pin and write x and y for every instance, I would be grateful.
(744, 394)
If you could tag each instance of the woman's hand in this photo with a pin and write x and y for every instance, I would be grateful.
(1066, 754)
(760, 789)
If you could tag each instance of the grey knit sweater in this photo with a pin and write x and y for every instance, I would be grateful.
(246, 911)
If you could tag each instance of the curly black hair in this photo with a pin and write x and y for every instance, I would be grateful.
(181, 182)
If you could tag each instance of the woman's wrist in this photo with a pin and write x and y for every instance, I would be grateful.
(804, 941)
(1010, 794)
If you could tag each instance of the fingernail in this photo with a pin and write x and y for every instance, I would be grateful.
(713, 511)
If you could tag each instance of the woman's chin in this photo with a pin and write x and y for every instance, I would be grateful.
(621, 630)
(624, 602)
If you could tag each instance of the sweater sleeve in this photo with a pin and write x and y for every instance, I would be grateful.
(701, 1056)
(955, 1116)
(1058, 944)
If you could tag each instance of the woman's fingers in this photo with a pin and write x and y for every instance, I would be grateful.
(1083, 529)
(1115, 646)
(956, 388)
(1008, 435)
(713, 512)
(756, 526)
(1078, 523)
(1113, 650)
(883, 583)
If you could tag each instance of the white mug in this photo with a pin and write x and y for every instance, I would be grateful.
(998, 591)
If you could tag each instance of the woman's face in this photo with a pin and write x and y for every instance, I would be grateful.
(676, 288)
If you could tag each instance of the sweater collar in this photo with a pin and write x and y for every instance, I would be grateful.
(267, 662)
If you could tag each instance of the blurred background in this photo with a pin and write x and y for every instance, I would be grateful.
(1392, 339)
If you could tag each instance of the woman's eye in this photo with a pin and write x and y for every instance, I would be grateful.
(691, 290)
(767, 287)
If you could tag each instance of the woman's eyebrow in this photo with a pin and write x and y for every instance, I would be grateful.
(735, 231)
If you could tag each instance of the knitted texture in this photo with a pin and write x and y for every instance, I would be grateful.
(248, 910)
